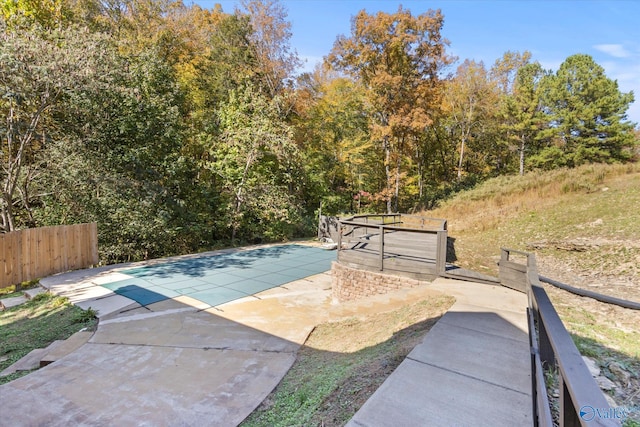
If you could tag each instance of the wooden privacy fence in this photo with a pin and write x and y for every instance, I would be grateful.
(38, 252)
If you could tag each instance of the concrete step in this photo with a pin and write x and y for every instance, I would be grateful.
(12, 302)
(27, 363)
(30, 293)
(41, 357)
(66, 347)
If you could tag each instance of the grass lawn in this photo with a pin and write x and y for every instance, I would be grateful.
(36, 324)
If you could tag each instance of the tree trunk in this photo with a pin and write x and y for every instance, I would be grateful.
(462, 144)
(387, 169)
(238, 196)
(522, 145)
(396, 193)
(7, 213)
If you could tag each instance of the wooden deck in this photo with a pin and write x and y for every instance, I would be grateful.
(405, 253)
(401, 248)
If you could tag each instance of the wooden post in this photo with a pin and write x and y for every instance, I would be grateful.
(547, 357)
(381, 231)
(568, 413)
(441, 251)
(319, 219)
(339, 237)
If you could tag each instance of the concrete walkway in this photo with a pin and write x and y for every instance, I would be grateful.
(472, 368)
(177, 362)
(181, 362)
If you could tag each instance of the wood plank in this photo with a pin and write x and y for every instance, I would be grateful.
(474, 276)
(30, 236)
(75, 241)
(513, 266)
(39, 252)
(44, 257)
(56, 250)
(93, 244)
(12, 255)
(369, 260)
(64, 249)
(5, 269)
(513, 276)
(422, 274)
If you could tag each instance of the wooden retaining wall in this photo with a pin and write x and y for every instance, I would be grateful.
(39, 252)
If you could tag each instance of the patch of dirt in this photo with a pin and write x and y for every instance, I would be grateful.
(354, 389)
(343, 363)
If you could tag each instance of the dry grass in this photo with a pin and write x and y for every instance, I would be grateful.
(594, 201)
(584, 227)
(512, 194)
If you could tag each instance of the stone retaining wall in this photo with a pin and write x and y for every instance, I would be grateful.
(349, 283)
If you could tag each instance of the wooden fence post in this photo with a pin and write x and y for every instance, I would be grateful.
(381, 231)
(441, 252)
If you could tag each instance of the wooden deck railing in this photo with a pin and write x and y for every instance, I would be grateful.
(581, 400)
(361, 227)
(38, 252)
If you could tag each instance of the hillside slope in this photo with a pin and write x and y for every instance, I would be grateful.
(584, 227)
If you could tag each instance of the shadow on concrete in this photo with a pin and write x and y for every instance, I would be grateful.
(167, 363)
(142, 296)
(300, 398)
(172, 363)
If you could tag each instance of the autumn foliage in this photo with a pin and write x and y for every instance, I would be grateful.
(179, 128)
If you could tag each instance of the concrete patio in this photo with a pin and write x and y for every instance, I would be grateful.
(182, 361)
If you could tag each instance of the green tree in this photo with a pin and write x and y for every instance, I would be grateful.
(587, 116)
(397, 58)
(251, 161)
(522, 111)
(117, 160)
(340, 155)
(36, 75)
(470, 101)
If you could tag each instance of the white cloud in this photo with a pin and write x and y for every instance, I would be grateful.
(615, 50)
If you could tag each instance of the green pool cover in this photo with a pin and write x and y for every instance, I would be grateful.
(220, 278)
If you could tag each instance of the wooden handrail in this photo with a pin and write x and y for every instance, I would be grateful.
(381, 228)
(581, 400)
(390, 227)
(354, 221)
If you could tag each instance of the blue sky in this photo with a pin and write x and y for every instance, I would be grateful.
(609, 31)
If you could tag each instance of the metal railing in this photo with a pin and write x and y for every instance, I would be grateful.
(581, 402)
(363, 226)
